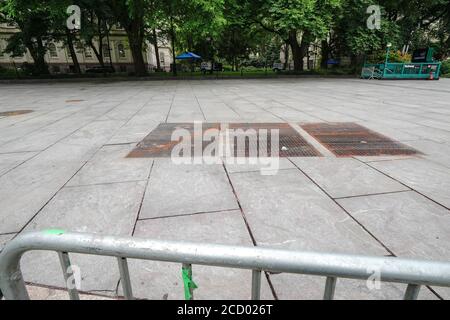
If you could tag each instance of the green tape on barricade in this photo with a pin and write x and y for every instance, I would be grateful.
(189, 284)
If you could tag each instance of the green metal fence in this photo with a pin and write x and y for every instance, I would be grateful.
(427, 70)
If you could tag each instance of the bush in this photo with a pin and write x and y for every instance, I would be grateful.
(445, 68)
(7, 73)
(394, 56)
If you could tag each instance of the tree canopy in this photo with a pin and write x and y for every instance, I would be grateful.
(231, 31)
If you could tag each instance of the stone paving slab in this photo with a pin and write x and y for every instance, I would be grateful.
(346, 177)
(279, 219)
(52, 133)
(218, 112)
(234, 167)
(433, 151)
(109, 209)
(286, 210)
(11, 130)
(429, 178)
(25, 190)
(186, 189)
(134, 131)
(10, 160)
(408, 223)
(160, 280)
(110, 165)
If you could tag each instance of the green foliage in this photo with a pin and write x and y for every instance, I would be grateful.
(394, 56)
(237, 32)
(445, 68)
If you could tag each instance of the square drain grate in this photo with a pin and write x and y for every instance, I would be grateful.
(291, 144)
(351, 139)
(158, 143)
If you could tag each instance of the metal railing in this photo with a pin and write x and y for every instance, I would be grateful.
(415, 273)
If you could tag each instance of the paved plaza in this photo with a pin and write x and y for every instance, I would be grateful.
(64, 165)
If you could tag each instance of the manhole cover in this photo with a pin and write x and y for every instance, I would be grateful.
(351, 139)
(14, 113)
(253, 142)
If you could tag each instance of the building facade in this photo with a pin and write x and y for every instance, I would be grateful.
(117, 54)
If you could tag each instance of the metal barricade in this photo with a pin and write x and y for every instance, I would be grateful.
(415, 273)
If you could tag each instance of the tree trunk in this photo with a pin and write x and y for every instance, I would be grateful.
(304, 48)
(172, 38)
(135, 33)
(131, 16)
(286, 56)
(108, 43)
(98, 53)
(297, 55)
(325, 51)
(299, 51)
(72, 51)
(38, 54)
(155, 44)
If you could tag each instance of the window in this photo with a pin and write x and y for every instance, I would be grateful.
(52, 50)
(122, 52)
(161, 58)
(106, 53)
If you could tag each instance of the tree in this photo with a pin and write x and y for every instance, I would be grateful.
(351, 36)
(234, 44)
(297, 22)
(237, 36)
(154, 21)
(404, 24)
(130, 14)
(60, 32)
(34, 19)
(187, 23)
(97, 21)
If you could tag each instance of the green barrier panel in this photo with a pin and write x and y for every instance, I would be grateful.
(429, 70)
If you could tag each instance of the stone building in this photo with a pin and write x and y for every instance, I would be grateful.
(117, 53)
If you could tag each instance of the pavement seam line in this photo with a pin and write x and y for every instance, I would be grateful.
(361, 225)
(143, 198)
(58, 141)
(189, 214)
(272, 288)
(404, 184)
(342, 208)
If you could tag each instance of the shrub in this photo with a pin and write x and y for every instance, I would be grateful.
(394, 56)
(445, 68)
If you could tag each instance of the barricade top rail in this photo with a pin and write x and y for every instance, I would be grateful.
(258, 259)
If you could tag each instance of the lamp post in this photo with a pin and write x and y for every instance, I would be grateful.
(388, 48)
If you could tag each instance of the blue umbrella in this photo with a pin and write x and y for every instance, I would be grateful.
(188, 56)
